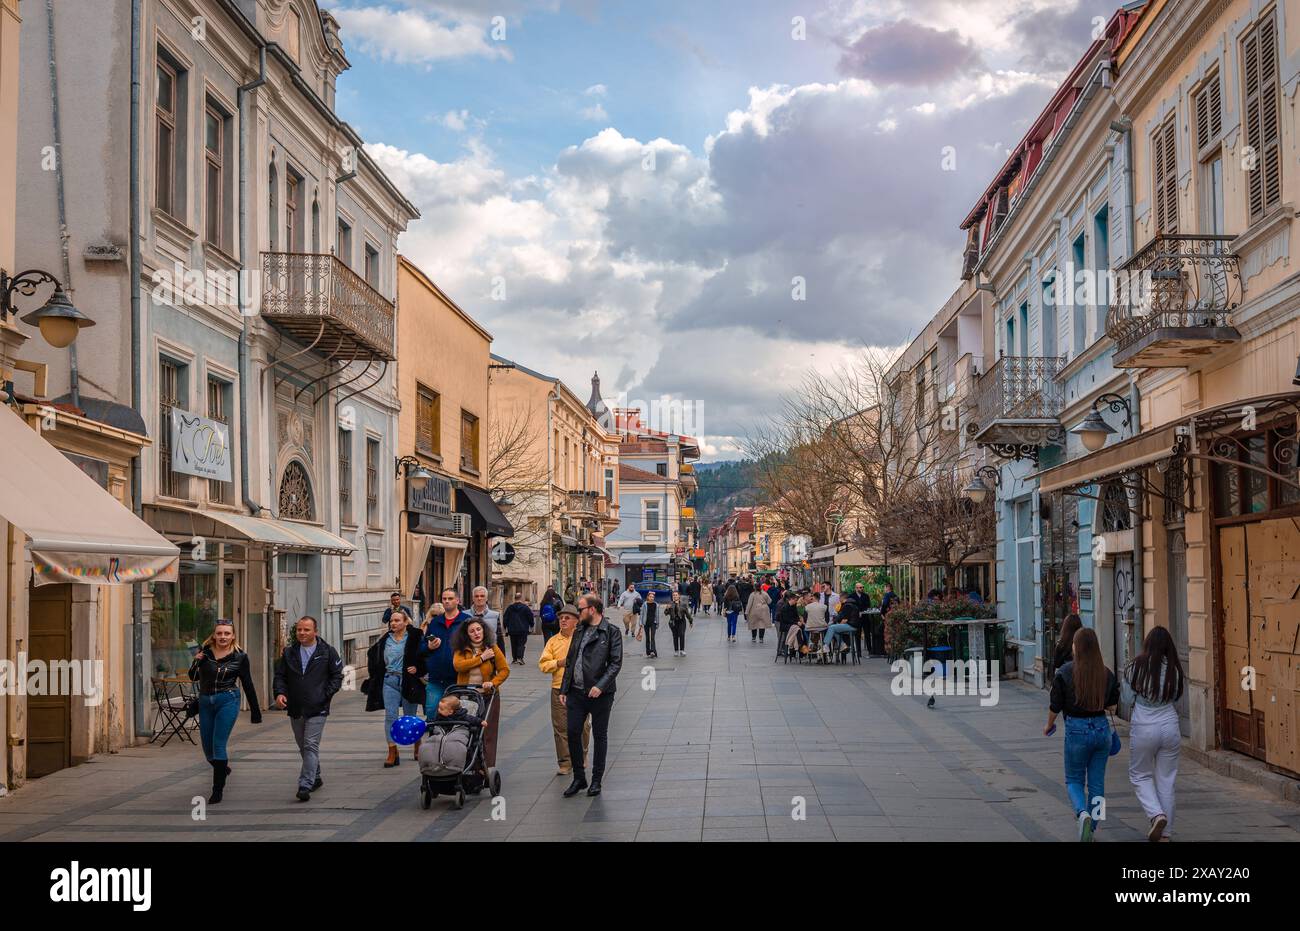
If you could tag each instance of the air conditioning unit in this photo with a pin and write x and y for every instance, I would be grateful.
(461, 525)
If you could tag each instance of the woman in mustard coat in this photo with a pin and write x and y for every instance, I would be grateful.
(477, 661)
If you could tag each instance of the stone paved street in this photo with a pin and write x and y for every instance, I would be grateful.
(716, 752)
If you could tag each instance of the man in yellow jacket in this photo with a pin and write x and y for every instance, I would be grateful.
(552, 660)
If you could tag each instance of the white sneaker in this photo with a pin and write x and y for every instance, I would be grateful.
(1085, 827)
(683, 652)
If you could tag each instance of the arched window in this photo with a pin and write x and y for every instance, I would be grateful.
(315, 225)
(1115, 514)
(295, 493)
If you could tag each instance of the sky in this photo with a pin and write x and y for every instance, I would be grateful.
(700, 200)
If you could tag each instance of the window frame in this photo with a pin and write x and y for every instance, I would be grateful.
(470, 464)
(345, 477)
(171, 118)
(434, 447)
(219, 492)
(217, 163)
(373, 516)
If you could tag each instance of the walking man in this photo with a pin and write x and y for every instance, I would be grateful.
(490, 617)
(308, 675)
(627, 603)
(679, 616)
(650, 623)
(587, 688)
(518, 623)
(555, 656)
(436, 652)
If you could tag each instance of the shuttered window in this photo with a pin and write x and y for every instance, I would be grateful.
(427, 415)
(1209, 115)
(1164, 183)
(1260, 87)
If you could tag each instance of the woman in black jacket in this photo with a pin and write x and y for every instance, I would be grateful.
(1065, 641)
(220, 667)
(394, 684)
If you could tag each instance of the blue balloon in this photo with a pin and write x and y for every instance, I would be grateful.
(407, 730)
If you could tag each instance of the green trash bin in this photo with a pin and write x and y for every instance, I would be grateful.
(961, 639)
(995, 643)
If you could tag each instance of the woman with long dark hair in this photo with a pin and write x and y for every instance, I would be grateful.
(1085, 691)
(1065, 641)
(220, 667)
(478, 661)
(733, 604)
(1156, 678)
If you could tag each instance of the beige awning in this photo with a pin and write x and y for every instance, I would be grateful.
(287, 535)
(1140, 450)
(78, 532)
(859, 557)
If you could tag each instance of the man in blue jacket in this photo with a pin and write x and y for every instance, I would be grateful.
(435, 652)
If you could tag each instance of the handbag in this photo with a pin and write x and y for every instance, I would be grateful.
(1114, 737)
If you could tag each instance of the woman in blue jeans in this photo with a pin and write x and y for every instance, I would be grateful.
(220, 667)
(1085, 691)
(394, 684)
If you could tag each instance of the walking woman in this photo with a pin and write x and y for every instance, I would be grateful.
(478, 662)
(758, 615)
(650, 623)
(731, 601)
(1156, 677)
(394, 685)
(679, 616)
(1065, 641)
(706, 595)
(1085, 691)
(220, 667)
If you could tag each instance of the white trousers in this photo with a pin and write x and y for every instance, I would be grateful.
(1154, 745)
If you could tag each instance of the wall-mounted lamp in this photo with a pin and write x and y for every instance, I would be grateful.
(58, 321)
(1094, 430)
(977, 491)
(416, 474)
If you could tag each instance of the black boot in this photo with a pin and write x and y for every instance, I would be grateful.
(579, 783)
(219, 770)
(595, 785)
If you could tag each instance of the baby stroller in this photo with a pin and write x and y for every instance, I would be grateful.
(436, 776)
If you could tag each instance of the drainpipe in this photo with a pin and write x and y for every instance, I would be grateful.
(74, 381)
(249, 502)
(552, 398)
(137, 501)
(1139, 554)
(268, 569)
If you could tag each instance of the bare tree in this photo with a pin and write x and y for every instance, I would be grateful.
(868, 442)
(519, 477)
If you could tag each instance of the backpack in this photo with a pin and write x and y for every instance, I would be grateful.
(548, 612)
(444, 751)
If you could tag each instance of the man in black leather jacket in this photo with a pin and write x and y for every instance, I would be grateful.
(590, 673)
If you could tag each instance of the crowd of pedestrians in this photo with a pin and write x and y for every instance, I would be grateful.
(413, 663)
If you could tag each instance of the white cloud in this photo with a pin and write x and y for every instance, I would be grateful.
(455, 120)
(596, 90)
(407, 36)
(671, 271)
(596, 113)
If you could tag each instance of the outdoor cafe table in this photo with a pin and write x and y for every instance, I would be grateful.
(974, 632)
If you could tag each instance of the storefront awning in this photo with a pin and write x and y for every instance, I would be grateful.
(78, 532)
(1136, 451)
(484, 514)
(859, 557)
(646, 559)
(286, 535)
(415, 553)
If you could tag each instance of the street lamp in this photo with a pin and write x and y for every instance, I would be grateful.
(1094, 430)
(417, 475)
(977, 491)
(58, 321)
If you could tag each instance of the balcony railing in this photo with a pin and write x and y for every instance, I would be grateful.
(587, 503)
(1173, 299)
(1021, 388)
(322, 303)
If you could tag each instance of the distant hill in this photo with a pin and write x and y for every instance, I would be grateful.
(723, 486)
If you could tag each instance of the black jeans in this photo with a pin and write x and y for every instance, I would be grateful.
(650, 638)
(679, 635)
(579, 706)
(517, 644)
(757, 634)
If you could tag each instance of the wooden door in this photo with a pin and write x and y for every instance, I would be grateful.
(49, 717)
(1259, 620)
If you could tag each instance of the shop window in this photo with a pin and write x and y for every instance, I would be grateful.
(1242, 492)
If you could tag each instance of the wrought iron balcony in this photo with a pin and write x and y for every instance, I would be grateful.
(1018, 407)
(323, 304)
(586, 504)
(1173, 301)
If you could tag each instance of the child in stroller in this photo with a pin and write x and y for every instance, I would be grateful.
(451, 755)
